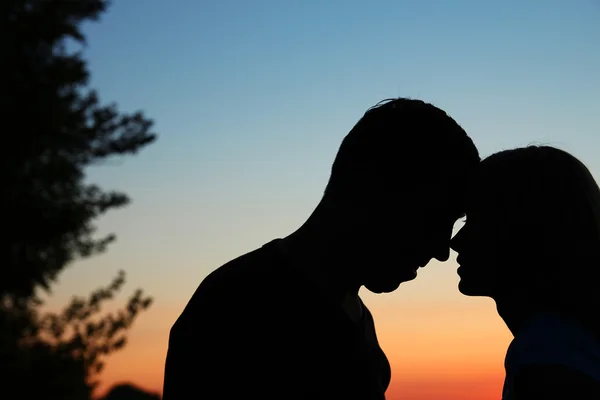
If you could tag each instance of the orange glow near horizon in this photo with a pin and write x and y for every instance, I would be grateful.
(437, 348)
(251, 104)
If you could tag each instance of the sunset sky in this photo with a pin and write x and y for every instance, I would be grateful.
(251, 100)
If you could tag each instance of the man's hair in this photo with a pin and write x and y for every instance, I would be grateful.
(401, 141)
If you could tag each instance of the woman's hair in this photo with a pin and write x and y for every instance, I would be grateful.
(549, 204)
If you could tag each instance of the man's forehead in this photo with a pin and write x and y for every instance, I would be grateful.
(444, 199)
(455, 190)
(456, 198)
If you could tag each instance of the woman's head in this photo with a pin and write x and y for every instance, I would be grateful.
(532, 229)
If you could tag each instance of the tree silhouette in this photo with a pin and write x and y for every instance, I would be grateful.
(55, 127)
(125, 391)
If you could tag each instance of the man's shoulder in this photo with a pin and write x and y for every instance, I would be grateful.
(251, 270)
(235, 286)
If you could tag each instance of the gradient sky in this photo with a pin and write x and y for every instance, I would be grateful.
(251, 100)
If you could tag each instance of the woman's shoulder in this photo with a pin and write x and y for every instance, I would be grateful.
(550, 340)
(550, 337)
(550, 382)
(550, 353)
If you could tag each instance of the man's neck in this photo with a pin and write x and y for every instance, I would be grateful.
(313, 259)
(352, 305)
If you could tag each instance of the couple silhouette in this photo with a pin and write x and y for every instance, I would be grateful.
(286, 321)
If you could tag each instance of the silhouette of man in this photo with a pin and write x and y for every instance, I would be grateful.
(285, 321)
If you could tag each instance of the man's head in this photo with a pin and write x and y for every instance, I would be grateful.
(395, 192)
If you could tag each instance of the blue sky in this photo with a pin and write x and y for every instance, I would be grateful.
(251, 100)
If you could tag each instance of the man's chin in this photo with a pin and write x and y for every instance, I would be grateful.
(390, 285)
(472, 290)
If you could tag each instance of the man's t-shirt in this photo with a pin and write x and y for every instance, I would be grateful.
(257, 328)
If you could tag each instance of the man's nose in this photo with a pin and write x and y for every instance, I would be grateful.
(442, 248)
(456, 241)
(442, 253)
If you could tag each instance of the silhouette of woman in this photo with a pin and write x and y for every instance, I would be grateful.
(531, 242)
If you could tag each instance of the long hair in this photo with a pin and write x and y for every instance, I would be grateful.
(550, 206)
